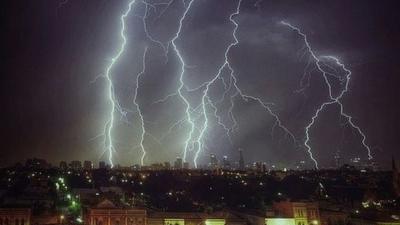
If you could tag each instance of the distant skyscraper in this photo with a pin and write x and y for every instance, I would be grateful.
(213, 161)
(63, 165)
(102, 165)
(241, 160)
(87, 165)
(76, 165)
(356, 162)
(178, 163)
(257, 166)
(226, 164)
(338, 159)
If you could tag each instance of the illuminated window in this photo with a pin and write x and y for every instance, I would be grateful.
(174, 222)
(280, 221)
(215, 222)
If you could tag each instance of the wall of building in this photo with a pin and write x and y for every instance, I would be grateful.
(12, 216)
(116, 217)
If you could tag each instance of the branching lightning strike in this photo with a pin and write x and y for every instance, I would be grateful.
(182, 87)
(332, 99)
(146, 31)
(231, 89)
(206, 99)
(108, 128)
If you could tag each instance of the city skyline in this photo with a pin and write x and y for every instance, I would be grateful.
(214, 163)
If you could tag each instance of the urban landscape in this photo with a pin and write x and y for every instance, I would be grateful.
(200, 112)
(79, 193)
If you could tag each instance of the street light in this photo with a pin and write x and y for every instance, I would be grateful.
(62, 217)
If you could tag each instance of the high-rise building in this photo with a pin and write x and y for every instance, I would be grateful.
(178, 163)
(226, 164)
(76, 165)
(241, 160)
(63, 165)
(338, 159)
(213, 161)
(102, 165)
(264, 167)
(257, 166)
(87, 165)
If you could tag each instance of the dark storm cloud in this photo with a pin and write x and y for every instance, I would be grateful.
(53, 110)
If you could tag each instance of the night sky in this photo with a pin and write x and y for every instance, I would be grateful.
(54, 92)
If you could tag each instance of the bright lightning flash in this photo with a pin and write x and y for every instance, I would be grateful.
(206, 99)
(181, 82)
(196, 135)
(332, 99)
(143, 132)
(109, 125)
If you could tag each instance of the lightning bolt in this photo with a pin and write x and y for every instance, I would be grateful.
(332, 99)
(109, 124)
(181, 82)
(205, 96)
(231, 90)
(206, 99)
(143, 131)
